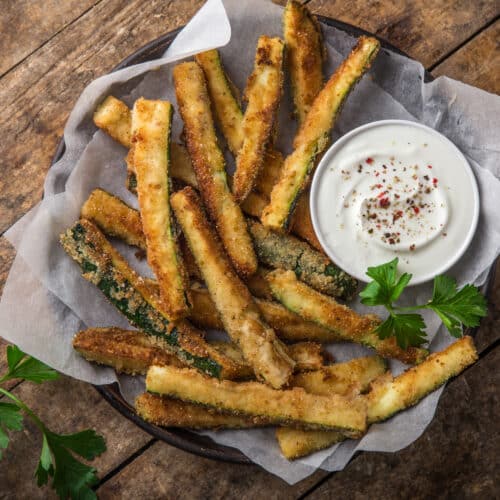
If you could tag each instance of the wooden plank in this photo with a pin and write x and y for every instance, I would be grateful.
(165, 472)
(25, 25)
(457, 456)
(489, 332)
(38, 94)
(477, 62)
(425, 30)
(65, 405)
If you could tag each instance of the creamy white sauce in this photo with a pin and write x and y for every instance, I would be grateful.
(394, 189)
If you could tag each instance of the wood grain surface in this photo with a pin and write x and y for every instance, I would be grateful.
(49, 55)
(478, 62)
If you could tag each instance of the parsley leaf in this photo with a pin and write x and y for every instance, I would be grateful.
(71, 478)
(10, 419)
(455, 307)
(33, 370)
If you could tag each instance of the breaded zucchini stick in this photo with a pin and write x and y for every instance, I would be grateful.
(133, 352)
(345, 379)
(305, 55)
(168, 412)
(314, 132)
(263, 93)
(287, 325)
(114, 217)
(225, 101)
(239, 313)
(288, 407)
(151, 127)
(283, 251)
(307, 356)
(126, 351)
(346, 323)
(390, 395)
(105, 267)
(209, 166)
(296, 443)
(348, 378)
(115, 118)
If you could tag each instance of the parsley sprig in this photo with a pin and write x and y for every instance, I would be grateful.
(455, 307)
(70, 477)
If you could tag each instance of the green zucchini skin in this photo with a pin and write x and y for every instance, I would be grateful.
(282, 251)
(82, 245)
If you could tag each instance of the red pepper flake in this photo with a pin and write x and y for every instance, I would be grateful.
(412, 247)
(384, 202)
(369, 161)
(434, 181)
(379, 186)
(377, 174)
(416, 209)
(429, 166)
(397, 215)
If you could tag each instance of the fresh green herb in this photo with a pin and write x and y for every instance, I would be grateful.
(455, 307)
(71, 478)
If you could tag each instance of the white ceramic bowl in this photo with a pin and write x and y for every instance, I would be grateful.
(322, 203)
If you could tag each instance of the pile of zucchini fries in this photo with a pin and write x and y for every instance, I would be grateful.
(239, 254)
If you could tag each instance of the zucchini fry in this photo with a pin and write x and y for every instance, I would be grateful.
(305, 53)
(282, 251)
(287, 325)
(114, 217)
(209, 166)
(239, 313)
(126, 351)
(263, 93)
(114, 117)
(151, 126)
(103, 266)
(289, 407)
(168, 412)
(307, 356)
(314, 132)
(225, 101)
(346, 323)
(133, 352)
(345, 379)
(348, 378)
(390, 395)
(296, 443)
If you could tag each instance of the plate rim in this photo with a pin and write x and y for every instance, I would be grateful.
(183, 439)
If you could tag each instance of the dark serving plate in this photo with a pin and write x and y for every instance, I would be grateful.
(180, 438)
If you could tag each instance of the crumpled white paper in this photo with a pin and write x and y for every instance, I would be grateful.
(45, 299)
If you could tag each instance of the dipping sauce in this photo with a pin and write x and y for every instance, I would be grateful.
(394, 189)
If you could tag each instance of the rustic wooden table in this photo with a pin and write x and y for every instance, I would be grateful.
(50, 51)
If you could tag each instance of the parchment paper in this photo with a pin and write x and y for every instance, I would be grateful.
(45, 300)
